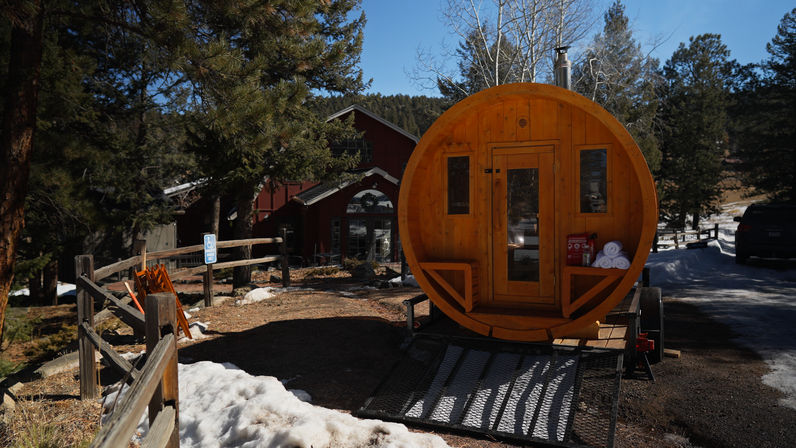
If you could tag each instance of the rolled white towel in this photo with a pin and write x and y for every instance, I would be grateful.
(612, 248)
(620, 262)
(601, 260)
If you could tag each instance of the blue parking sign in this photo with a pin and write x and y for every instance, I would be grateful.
(210, 248)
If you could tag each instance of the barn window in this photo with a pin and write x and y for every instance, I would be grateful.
(354, 146)
(335, 236)
(459, 185)
(370, 201)
(593, 181)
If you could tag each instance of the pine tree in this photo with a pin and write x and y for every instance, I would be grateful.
(105, 142)
(764, 119)
(616, 74)
(694, 135)
(24, 22)
(254, 66)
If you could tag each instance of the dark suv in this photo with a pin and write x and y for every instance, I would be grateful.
(766, 230)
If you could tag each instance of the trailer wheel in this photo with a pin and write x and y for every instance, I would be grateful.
(652, 320)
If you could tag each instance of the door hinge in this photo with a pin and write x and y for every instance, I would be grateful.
(489, 170)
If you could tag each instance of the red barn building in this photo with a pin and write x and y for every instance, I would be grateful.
(356, 219)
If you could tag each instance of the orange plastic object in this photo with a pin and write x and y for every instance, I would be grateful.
(156, 279)
(132, 296)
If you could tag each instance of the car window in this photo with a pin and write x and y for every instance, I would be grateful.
(766, 214)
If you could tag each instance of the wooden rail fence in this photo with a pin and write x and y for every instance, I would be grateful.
(682, 236)
(155, 384)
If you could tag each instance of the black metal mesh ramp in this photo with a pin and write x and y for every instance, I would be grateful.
(530, 392)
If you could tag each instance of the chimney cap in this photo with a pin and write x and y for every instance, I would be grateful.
(562, 49)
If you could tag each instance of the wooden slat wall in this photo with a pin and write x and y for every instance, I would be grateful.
(568, 124)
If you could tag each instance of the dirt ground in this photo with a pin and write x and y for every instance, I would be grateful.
(337, 341)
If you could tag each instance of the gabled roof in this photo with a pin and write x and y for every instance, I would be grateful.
(358, 108)
(324, 190)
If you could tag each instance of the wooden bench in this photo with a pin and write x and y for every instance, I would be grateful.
(467, 298)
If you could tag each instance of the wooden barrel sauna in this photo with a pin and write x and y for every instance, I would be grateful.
(493, 190)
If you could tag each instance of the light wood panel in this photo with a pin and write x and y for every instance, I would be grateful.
(512, 118)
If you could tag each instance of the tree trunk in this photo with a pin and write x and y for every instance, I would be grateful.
(215, 215)
(16, 141)
(50, 292)
(34, 288)
(695, 222)
(242, 230)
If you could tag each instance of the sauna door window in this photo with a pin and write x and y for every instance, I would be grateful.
(523, 225)
(593, 181)
(522, 206)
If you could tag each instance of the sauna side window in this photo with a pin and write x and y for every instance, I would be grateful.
(594, 180)
(458, 179)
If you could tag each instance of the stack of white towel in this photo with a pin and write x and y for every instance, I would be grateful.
(612, 256)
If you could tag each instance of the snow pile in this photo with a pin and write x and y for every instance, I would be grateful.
(257, 295)
(198, 330)
(755, 300)
(268, 292)
(410, 281)
(221, 405)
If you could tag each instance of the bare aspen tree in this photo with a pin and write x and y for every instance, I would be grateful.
(502, 41)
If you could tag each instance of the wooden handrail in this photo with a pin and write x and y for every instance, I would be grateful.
(156, 382)
(126, 313)
(124, 420)
(121, 365)
(161, 429)
(155, 385)
(110, 269)
(228, 264)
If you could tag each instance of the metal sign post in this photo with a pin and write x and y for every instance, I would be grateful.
(211, 256)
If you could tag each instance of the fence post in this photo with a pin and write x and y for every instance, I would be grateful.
(655, 243)
(715, 231)
(84, 265)
(161, 318)
(285, 267)
(139, 247)
(676, 237)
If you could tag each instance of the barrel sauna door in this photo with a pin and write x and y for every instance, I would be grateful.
(523, 226)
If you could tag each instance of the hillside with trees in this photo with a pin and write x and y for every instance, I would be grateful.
(414, 114)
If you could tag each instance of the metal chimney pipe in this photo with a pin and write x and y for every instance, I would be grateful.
(563, 69)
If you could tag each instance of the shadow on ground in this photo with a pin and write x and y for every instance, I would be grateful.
(339, 361)
(712, 394)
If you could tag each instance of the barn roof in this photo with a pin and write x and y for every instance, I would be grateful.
(358, 108)
(324, 190)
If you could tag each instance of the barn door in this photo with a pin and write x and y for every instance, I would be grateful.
(523, 225)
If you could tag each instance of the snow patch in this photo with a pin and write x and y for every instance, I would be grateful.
(221, 405)
(257, 295)
(409, 281)
(198, 330)
(756, 300)
(63, 290)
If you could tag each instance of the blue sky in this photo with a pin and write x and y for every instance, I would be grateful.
(397, 28)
